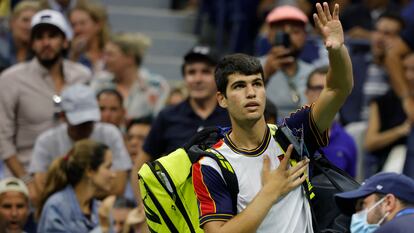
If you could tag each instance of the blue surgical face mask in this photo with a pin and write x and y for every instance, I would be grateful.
(359, 222)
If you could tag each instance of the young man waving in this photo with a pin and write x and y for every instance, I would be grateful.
(270, 198)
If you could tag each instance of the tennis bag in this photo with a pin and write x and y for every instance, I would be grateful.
(166, 185)
(326, 180)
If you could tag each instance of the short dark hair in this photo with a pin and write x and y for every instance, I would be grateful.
(319, 70)
(197, 59)
(111, 91)
(146, 120)
(123, 202)
(393, 16)
(236, 64)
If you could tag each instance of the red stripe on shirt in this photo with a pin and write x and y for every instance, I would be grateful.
(206, 202)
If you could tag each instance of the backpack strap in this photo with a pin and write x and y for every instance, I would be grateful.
(196, 153)
(281, 138)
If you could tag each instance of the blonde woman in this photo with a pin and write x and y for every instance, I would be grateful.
(90, 33)
(144, 93)
(15, 44)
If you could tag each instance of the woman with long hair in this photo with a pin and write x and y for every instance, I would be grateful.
(90, 33)
(72, 185)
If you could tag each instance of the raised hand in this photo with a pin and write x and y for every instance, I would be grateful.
(329, 26)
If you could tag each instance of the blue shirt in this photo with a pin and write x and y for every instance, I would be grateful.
(399, 224)
(341, 149)
(176, 124)
(62, 213)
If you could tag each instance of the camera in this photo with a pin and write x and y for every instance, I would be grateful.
(282, 39)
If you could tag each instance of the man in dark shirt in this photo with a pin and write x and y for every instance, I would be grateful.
(176, 124)
(384, 203)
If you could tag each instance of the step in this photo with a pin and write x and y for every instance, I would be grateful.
(138, 3)
(138, 19)
(170, 44)
(168, 67)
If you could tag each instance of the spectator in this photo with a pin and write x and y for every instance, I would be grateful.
(388, 26)
(14, 205)
(112, 109)
(176, 124)
(81, 116)
(63, 6)
(198, 111)
(383, 204)
(137, 132)
(341, 149)
(144, 93)
(73, 184)
(271, 197)
(408, 64)
(121, 208)
(29, 92)
(16, 43)
(176, 96)
(285, 74)
(358, 18)
(90, 34)
(387, 128)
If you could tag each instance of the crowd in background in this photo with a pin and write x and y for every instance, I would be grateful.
(80, 114)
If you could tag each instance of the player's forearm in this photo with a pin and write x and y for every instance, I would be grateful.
(340, 78)
(251, 217)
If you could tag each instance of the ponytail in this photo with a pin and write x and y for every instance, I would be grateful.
(56, 180)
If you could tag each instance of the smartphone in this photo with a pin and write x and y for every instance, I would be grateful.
(282, 39)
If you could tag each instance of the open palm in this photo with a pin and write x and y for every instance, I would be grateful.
(329, 25)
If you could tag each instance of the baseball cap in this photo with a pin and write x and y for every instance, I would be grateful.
(286, 12)
(79, 104)
(384, 183)
(54, 18)
(202, 52)
(13, 184)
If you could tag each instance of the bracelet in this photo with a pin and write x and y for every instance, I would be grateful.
(27, 178)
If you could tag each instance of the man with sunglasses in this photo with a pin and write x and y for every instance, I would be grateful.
(341, 149)
(29, 92)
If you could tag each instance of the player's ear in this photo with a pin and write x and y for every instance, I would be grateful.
(221, 99)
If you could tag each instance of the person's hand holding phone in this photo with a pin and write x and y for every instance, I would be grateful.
(279, 55)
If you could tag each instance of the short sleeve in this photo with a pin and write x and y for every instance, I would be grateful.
(214, 200)
(302, 122)
(40, 159)
(121, 160)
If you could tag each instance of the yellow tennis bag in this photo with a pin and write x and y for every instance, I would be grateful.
(167, 189)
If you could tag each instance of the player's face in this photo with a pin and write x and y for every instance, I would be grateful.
(245, 97)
